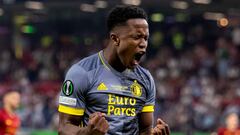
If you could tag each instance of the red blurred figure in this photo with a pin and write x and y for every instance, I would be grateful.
(9, 121)
(232, 125)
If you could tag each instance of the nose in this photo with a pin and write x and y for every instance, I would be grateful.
(143, 45)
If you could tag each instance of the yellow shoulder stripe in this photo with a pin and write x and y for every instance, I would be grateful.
(70, 110)
(148, 108)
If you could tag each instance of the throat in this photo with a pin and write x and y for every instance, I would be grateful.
(117, 65)
(113, 60)
(9, 110)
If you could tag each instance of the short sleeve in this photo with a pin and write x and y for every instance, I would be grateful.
(72, 95)
(151, 94)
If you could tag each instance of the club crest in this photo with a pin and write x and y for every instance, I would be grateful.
(136, 89)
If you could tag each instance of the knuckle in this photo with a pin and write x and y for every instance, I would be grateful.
(95, 128)
(101, 130)
(90, 123)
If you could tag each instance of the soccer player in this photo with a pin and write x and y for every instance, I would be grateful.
(231, 125)
(9, 121)
(109, 92)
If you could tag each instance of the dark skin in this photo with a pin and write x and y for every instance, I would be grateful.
(69, 125)
(125, 42)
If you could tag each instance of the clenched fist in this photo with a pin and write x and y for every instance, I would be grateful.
(161, 128)
(97, 124)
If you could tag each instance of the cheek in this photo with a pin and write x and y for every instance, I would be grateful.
(16, 102)
(127, 48)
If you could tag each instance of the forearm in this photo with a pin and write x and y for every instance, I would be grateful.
(69, 125)
(69, 129)
(146, 131)
(145, 123)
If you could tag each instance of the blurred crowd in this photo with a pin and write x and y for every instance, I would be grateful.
(196, 69)
(199, 85)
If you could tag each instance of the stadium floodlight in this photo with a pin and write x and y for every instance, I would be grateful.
(1, 12)
(132, 2)
(179, 4)
(101, 4)
(157, 17)
(88, 8)
(202, 1)
(223, 22)
(213, 16)
(34, 5)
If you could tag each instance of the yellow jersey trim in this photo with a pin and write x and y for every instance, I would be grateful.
(99, 55)
(70, 110)
(148, 108)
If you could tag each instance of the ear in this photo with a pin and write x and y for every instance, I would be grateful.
(114, 37)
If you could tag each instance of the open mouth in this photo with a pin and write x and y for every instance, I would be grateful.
(137, 57)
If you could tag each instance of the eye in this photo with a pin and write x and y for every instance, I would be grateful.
(140, 36)
(136, 37)
(146, 38)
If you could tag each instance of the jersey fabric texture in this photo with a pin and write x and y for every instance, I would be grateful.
(92, 85)
(8, 123)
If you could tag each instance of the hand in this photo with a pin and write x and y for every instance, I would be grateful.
(161, 128)
(97, 124)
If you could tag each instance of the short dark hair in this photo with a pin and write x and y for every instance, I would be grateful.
(120, 14)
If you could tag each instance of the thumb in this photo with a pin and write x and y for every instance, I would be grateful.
(160, 121)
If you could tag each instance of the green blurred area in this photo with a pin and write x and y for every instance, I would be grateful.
(47, 132)
(44, 132)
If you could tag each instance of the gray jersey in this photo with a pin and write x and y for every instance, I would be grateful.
(92, 85)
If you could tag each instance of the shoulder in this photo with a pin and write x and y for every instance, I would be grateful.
(89, 63)
(221, 130)
(76, 71)
(144, 73)
(83, 66)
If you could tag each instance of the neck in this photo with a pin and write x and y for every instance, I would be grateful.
(110, 54)
(9, 109)
(231, 127)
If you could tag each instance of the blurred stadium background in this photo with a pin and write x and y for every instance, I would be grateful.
(193, 55)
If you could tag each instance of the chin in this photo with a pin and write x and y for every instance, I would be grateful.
(132, 66)
(15, 107)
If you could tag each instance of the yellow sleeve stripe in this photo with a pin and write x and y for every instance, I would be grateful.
(70, 110)
(148, 108)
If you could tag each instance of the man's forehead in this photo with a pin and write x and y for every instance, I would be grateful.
(138, 23)
(12, 93)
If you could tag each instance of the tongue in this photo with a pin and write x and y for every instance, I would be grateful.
(135, 62)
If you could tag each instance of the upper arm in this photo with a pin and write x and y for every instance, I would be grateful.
(146, 116)
(72, 96)
(150, 95)
(72, 101)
